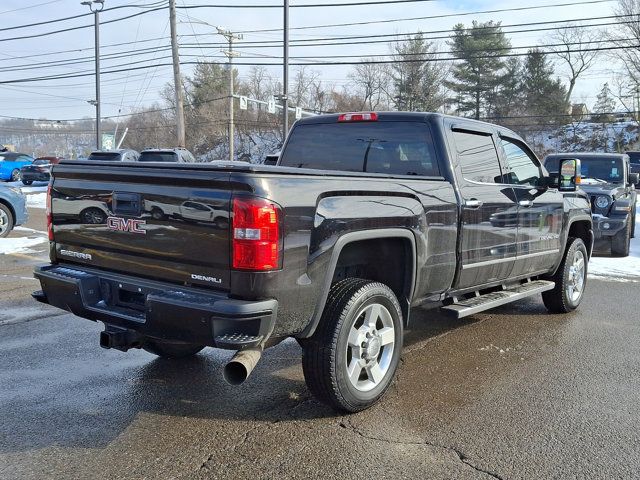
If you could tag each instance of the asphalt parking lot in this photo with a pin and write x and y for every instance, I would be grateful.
(515, 393)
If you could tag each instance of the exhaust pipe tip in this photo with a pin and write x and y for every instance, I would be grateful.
(241, 365)
(235, 373)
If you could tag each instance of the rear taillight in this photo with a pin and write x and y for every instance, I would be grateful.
(49, 214)
(255, 234)
(358, 117)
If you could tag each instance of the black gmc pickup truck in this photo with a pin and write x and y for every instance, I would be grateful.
(365, 216)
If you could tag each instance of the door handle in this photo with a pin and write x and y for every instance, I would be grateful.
(472, 203)
(526, 203)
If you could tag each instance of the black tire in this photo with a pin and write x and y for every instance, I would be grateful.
(327, 353)
(559, 300)
(27, 182)
(171, 350)
(15, 175)
(6, 221)
(633, 223)
(621, 242)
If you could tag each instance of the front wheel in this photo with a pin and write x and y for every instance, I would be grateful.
(6, 221)
(353, 356)
(27, 182)
(171, 350)
(621, 242)
(15, 175)
(570, 279)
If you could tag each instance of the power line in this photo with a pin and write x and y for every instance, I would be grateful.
(430, 17)
(150, 50)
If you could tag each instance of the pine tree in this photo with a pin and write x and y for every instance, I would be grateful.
(544, 96)
(417, 79)
(605, 105)
(479, 72)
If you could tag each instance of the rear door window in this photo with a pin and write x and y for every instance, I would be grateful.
(393, 148)
(478, 157)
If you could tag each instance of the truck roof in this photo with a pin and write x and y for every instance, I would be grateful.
(429, 117)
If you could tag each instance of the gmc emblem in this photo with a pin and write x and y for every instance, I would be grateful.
(126, 225)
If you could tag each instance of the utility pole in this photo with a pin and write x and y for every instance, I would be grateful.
(230, 36)
(177, 79)
(96, 7)
(285, 74)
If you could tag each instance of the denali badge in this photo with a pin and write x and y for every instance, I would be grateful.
(71, 253)
(126, 225)
(204, 278)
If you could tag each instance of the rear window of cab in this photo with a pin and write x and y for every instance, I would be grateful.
(393, 148)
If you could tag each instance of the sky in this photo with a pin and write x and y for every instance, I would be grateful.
(123, 92)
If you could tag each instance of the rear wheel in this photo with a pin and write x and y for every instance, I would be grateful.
(621, 242)
(570, 279)
(353, 356)
(633, 223)
(171, 350)
(6, 221)
(27, 182)
(15, 175)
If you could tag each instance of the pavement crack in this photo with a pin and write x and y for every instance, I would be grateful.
(346, 423)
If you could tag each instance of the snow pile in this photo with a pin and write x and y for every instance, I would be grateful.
(585, 137)
(19, 244)
(625, 268)
(37, 200)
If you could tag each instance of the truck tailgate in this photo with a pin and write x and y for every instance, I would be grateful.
(159, 222)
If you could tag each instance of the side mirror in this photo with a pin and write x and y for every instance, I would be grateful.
(634, 178)
(569, 177)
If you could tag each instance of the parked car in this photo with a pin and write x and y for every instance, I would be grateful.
(608, 180)
(180, 155)
(122, 155)
(38, 171)
(13, 209)
(11, 163)
(634, 161)
(365, 216)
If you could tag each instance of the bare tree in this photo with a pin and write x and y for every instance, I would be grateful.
(372, 82)
(627, 37)
(575, 52)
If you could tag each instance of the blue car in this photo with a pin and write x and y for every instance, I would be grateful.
(11, 163)
(13, 209)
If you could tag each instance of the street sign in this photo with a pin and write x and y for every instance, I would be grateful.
(298, 113)
(271, 105)
(243, 103)
(108, 141)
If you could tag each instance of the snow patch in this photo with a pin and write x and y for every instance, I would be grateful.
(37, 200)
(619, 269)
(19, 244)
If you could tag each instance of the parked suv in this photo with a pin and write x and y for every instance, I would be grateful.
(634, 159)
(365, 216)
(179, 155)
(608, 180)
(121, 155)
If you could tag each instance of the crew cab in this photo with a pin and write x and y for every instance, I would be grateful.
(365, 216)
(611, 185)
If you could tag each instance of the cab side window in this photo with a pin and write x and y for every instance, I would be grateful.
(523, 168)
(478, 157)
